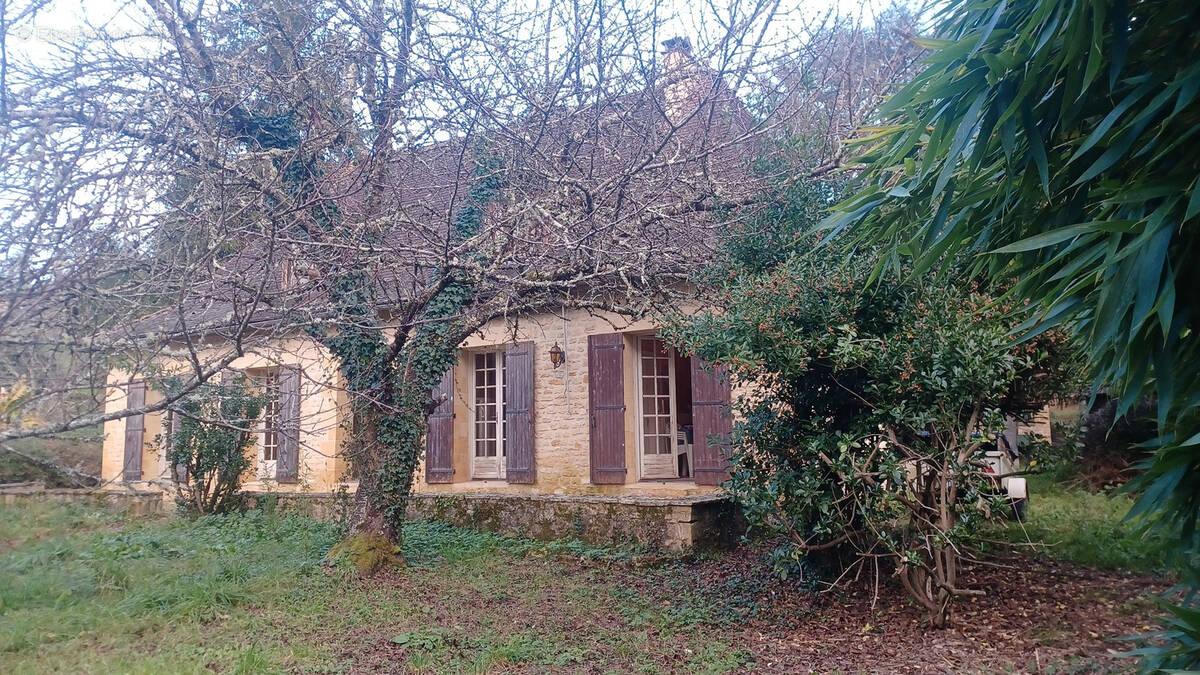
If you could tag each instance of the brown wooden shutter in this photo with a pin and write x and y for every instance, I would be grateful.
(606, 403)
(135, 431)
(712, 423)
(439, 437)
(518, 412)
(287, 462)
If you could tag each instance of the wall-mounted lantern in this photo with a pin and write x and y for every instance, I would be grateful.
(557, 355)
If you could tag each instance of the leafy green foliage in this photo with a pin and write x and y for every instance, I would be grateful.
(211, 445)
(1058, 459)
(868, 404)
(1057, 139)
(425, 639)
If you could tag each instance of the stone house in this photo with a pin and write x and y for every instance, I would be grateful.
(559, 422)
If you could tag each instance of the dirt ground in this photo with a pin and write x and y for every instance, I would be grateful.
(249, 593)
(1041, 617)
(1037, 616)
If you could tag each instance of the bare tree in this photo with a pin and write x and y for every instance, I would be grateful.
(200, 180)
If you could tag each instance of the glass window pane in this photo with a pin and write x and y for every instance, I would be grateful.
(663, 387)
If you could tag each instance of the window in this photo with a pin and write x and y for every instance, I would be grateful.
(658, 427)
(487, 411)
(664, 410)
(266, 382)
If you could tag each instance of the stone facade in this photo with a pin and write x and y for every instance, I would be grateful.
(322, 433)
(561, 416)
(560, 413)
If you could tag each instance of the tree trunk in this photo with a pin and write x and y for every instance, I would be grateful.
(366, 516)
(372, 543)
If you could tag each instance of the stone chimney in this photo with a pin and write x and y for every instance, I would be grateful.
(686, 83)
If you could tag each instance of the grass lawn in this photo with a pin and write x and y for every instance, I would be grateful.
(85, 590)
(79, 449)
(1088, 528)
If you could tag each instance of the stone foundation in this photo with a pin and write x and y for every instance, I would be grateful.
(676, 524)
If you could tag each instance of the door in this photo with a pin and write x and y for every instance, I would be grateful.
(488, 425)
(266, 381)
(656, 409)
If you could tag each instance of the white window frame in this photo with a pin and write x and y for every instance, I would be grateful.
(488, 468)
(655, 470)
(266, 468)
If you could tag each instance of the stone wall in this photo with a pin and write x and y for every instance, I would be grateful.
(662, 524)
(683, 524)
(677, 525)
(133, 502)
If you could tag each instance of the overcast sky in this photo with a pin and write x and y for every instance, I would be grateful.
(63, 19)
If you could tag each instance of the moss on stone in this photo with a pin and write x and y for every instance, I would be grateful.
(365, 552)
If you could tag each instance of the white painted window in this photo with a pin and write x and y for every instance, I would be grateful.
(656, 409)
(487, 415)
(266, 382)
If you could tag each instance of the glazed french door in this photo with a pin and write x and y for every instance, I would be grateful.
(487, 410)
(656, 409)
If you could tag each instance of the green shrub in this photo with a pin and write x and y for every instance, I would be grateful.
(1058, 459)
(210, 445)
(867, 407)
